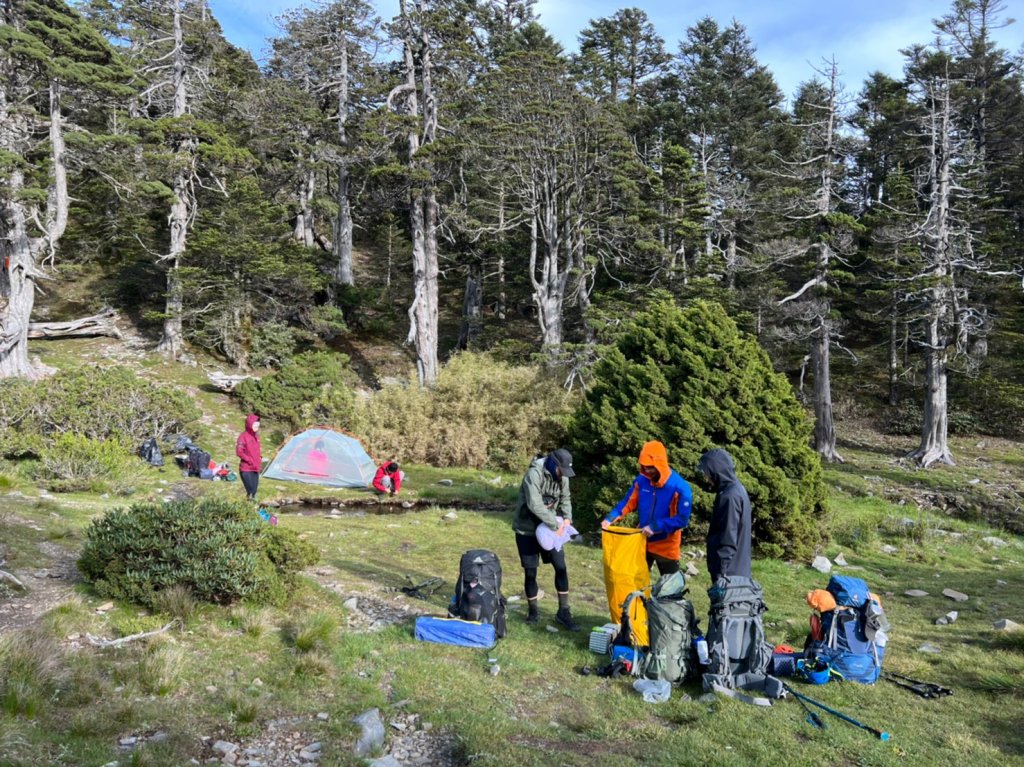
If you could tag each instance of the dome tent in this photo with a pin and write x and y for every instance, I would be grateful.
(323, 456)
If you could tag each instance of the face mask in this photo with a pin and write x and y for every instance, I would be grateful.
(706, 483)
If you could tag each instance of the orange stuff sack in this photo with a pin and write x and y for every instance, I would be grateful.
(626, 571)
(821, 600)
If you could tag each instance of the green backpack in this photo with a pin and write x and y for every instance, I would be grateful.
(672, 625)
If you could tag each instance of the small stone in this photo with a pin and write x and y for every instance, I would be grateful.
(223, 747)
(118, 764)
(386, 761)
(915, 593)
(992, 540)
(941, 621)
(308, 756)
(951, 616)
(708, 697)
(551, 628)
(351, 604)
(400, 726)
(257, 682)
(373, 732)
(128, 741)
(445, 482)
(451, 516)
(1000, 583)
(692, 571)
(956, 596)
(840, 560)
(407, 504)
(73, 637)
(1005, 624)
(314, 748)
(494, 670)
(888, 549)
(928, 647)
(323, 716)
(211, 688)
(822, 565)
(105, 607)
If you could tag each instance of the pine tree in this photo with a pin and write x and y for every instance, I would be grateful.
(51, 60)
(689, 378)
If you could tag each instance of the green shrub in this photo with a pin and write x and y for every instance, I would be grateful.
(303, 384)
(483, 413)
(272, 344)
(76, 462)
(99, 404)
(691, 379)
(217, 549)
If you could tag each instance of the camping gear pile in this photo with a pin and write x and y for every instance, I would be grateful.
(196, 462)
(476, 613)
(849, 630)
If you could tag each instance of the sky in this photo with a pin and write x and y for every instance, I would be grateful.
(792, 37)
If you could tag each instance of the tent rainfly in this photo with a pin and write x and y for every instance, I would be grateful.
(323, 456)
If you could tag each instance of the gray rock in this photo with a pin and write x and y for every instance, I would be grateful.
(1005, 624)
(708, 697)
(494, 670)
(224, 748)
(446, 482)
(941, 621)
(451, 516)
(915, 593)
(372, 736)
(992, 540)
(691, 571)
(840, 560)
(952, 615)
(1000, 583)
(551, 628)
(822, 565)
(308, 756)
(956, 596)
(386, 761)
(928, 647)
(131, 741)
(351, 604)
(314, 748)
(323, 716)
(888, 549)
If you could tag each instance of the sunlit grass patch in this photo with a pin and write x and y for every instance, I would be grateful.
(31, 670)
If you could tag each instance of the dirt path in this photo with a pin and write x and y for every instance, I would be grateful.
(49, 583)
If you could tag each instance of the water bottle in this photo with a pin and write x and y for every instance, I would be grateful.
(701, 645)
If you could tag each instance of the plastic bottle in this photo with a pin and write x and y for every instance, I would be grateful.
(701, 645)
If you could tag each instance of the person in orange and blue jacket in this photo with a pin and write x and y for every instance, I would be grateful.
(663, 501)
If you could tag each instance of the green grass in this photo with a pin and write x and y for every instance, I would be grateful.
(233, 669)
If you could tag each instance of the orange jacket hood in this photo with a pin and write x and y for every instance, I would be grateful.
(654, 454)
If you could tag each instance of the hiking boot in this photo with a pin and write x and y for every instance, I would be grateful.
(532, 616)
(564, 617)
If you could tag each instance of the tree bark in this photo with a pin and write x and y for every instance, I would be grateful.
(824, 425)
(172, 343)
(343, 230)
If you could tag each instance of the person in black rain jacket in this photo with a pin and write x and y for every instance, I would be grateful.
(729, 534)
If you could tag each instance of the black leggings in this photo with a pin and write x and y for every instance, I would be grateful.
(251, 480)
(561, 577)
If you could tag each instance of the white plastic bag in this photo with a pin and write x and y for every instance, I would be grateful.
(653, 690)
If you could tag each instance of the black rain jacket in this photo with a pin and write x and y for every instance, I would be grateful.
(729, 537)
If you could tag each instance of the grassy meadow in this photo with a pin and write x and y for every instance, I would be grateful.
(235, 672)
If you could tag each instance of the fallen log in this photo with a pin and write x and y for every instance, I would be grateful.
(225, 382)
(102, 324)
(96, 641)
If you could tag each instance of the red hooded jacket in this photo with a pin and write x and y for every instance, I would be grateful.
(247, 448)
(396, 477)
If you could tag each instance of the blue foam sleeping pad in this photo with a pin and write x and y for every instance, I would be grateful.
(455, 632)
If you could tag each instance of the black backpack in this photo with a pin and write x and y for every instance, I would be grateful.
(149, 451)
(198, 459)
(478, 590)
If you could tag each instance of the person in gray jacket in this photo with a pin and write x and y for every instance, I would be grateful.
(543, 496)
(729, 534)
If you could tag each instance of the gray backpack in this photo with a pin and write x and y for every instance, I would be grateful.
(739, 655)
(672, 625)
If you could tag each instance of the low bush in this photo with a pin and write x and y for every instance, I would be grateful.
(76, 462)
(310, 386)
(220, 550)
(98, 404)
(483, 413)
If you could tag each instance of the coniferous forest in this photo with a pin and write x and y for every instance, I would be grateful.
(457, 167)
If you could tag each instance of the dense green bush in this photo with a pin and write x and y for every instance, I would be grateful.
(313, 386)
(689, 378)
(100, 404)
(76, 462)
(482, 413)
(220, 550)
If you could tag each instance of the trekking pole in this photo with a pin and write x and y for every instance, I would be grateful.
(878, 733)
(812, 718)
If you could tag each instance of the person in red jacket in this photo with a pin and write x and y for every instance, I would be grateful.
(388, 479)
(250, 455)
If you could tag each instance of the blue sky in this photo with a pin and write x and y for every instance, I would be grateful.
(792, 36)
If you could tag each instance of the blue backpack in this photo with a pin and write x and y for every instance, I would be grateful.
(854, 635)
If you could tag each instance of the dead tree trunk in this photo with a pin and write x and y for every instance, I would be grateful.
(343, 229)
(102, 324)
